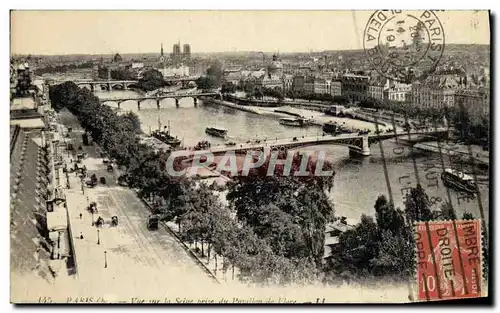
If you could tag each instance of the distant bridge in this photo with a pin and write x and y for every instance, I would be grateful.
(357, 144)
(92, 85)
(103, 84)
(158, 98)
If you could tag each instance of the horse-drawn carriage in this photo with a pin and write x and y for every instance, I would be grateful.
(100, 221)
(93, 207)
(80, 157)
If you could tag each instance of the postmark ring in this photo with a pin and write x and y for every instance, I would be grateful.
(404, 45)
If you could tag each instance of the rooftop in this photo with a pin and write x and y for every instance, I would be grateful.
(29, 122)
(26, 103)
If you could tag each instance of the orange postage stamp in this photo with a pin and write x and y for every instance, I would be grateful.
(449, 260)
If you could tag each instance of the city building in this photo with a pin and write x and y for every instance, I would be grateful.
(162, 59)
(233, 78)
(396, 91)
(309, 85)
(298, 83)
(273, 78)
(355, 87)
(177, 56)
(332, 235)
(336, 88)
(437, 92)
(287, 82)
(187, 51)
(117, 58)
(22, 79)
(175, 71)
(474, 101)
(376, 89)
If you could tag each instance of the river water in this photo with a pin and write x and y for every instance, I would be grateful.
(358, 181)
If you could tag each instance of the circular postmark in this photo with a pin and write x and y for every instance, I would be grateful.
(404, 45)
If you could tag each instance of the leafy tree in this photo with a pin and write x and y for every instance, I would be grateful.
(340, 100)
(357, 248)
(467, 216)
(388, 218)
(418, 205)
(228, 88)
(151, 80)
(446, 212)
(258, 94)
(122, 74)
(396, 254)
(130, 122)
(278, 206)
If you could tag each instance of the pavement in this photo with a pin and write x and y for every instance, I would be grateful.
(128, 259)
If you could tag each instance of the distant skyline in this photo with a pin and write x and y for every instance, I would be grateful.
(105, 32)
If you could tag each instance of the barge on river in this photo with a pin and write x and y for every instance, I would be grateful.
(216, 131)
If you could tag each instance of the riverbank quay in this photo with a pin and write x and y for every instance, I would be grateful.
(231, 105)
(315, 118)
(117, 258)
(313, 105)
(478, 155)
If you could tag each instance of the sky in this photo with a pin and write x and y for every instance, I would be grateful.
(104, 32)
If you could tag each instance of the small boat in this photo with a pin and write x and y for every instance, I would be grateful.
(458, 180)
(216, 131)
(298, 122)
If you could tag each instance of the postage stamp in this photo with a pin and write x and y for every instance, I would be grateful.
(404, 45)
(449, 259)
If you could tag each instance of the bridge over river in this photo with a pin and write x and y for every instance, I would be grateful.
(357, 144)
(158, 98)
(123, 84)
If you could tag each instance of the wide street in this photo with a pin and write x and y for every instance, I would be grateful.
(127, 257)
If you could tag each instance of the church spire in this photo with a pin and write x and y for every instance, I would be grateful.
(161, 53)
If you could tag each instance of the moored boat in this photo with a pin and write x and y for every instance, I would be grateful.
(164, 136)
(297, 122)
(216, 131)
(459, 180)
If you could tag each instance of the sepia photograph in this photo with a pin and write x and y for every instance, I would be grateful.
(249, 157)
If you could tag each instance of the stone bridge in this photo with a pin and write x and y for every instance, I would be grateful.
(109, 85)
(92, 85)
(158, 98)
(357, 144)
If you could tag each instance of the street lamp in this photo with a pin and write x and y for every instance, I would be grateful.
(105, 260)
(98, 238)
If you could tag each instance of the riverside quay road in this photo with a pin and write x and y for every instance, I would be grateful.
(126, 259)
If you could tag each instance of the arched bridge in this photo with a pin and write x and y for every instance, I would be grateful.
(93, 85)
(357, 144)
(109, 85)
(158, 98)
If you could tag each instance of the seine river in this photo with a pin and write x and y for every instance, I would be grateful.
(358, 181)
